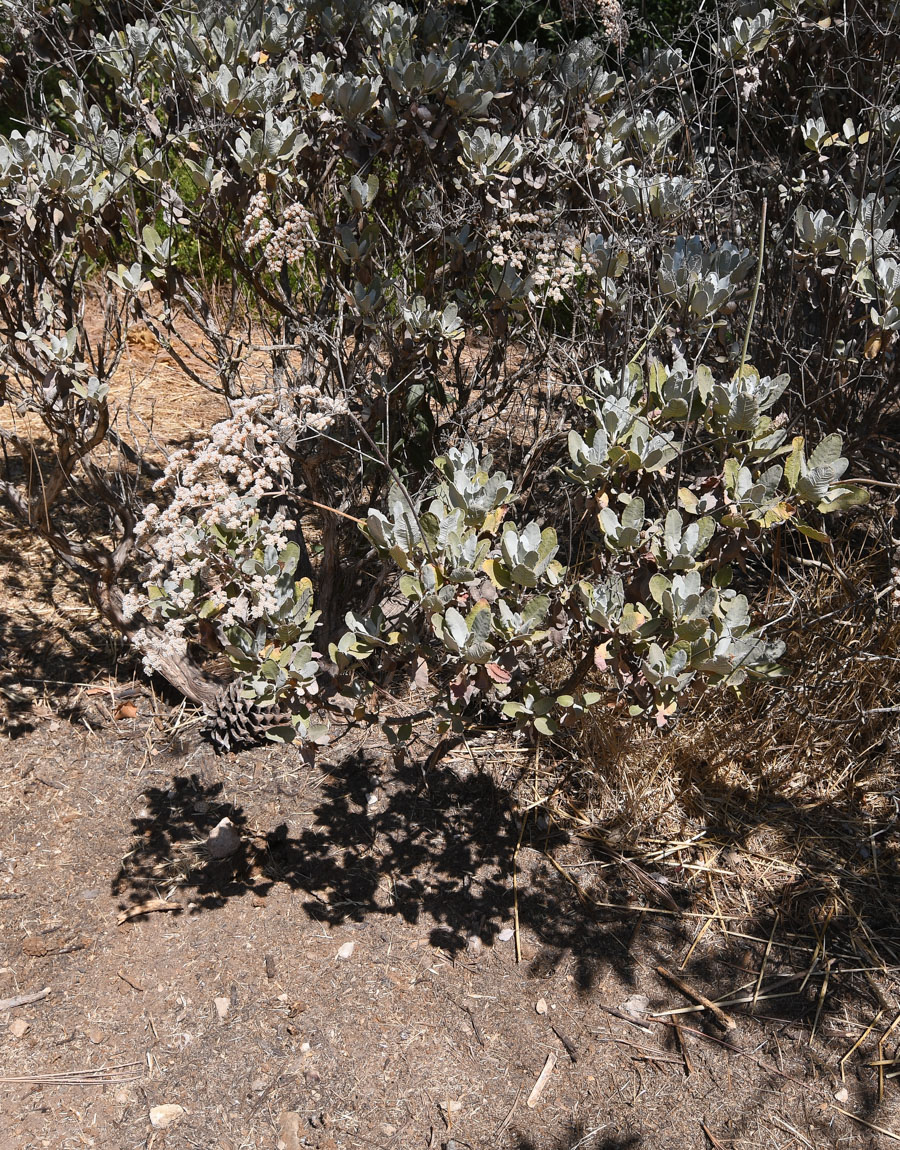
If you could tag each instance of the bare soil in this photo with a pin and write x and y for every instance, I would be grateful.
(237, 997)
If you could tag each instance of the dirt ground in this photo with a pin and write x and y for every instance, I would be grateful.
(348, 975)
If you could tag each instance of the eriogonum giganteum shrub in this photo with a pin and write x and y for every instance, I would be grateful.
(654, 292)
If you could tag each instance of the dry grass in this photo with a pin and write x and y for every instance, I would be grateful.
(765, 821)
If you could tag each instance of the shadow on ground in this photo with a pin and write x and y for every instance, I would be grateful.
(579, 1136)
(440, 847)
(51, 638)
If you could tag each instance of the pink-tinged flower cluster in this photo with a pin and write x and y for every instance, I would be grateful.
(543, 246)
(285, 242)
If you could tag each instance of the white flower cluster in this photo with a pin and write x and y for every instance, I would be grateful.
(542, 245)
(894, 581)
(608, 12)
(203, 543)
(286, 243)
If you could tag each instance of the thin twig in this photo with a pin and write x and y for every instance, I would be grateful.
(715, 1010)
(759, 267)
(23, 999)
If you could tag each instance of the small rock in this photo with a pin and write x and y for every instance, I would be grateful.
(387, 1130)
(506, 934)
(95, 1035)
(258, 1085)
(842, 1095)
(636, 1005)
(474, 945)
(289, 1130)
(346, 950)
(89, 895)
(19, 1027)
(165, 1115)
(541, 1006)
(222, 1007)
(223, 839)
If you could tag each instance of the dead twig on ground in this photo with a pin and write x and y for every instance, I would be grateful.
(23, 999)
(715, 1010)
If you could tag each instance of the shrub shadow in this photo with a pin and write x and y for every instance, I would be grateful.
(444, 846)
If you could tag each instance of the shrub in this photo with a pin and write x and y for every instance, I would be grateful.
(663, 291)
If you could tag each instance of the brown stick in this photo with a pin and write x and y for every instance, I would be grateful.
(124, 977)
(716, 1011)
(682, 1042)
(627, 1018)
(709, 1134)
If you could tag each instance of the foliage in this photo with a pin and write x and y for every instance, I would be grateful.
(429, 233)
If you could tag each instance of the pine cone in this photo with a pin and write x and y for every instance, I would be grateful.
(236, 723)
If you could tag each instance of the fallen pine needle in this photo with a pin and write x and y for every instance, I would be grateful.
(125, 978)
(820, 1001)
(515, 879)
(765, 959)
(700, 933)
(859, 1042)
(590, 1134)
(682, 1042)
(870, 1125)
(791, 1130)
(536, 1092)
(709, 1134)
(506, 1121)
(734, 1049)
(82, 1077)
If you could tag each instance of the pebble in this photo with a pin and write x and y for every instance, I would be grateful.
(223, 1005)
(223, 839)
(289, 1130)
(19, 1027)
(165, 1115)
(346, 950)
(506, 934)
